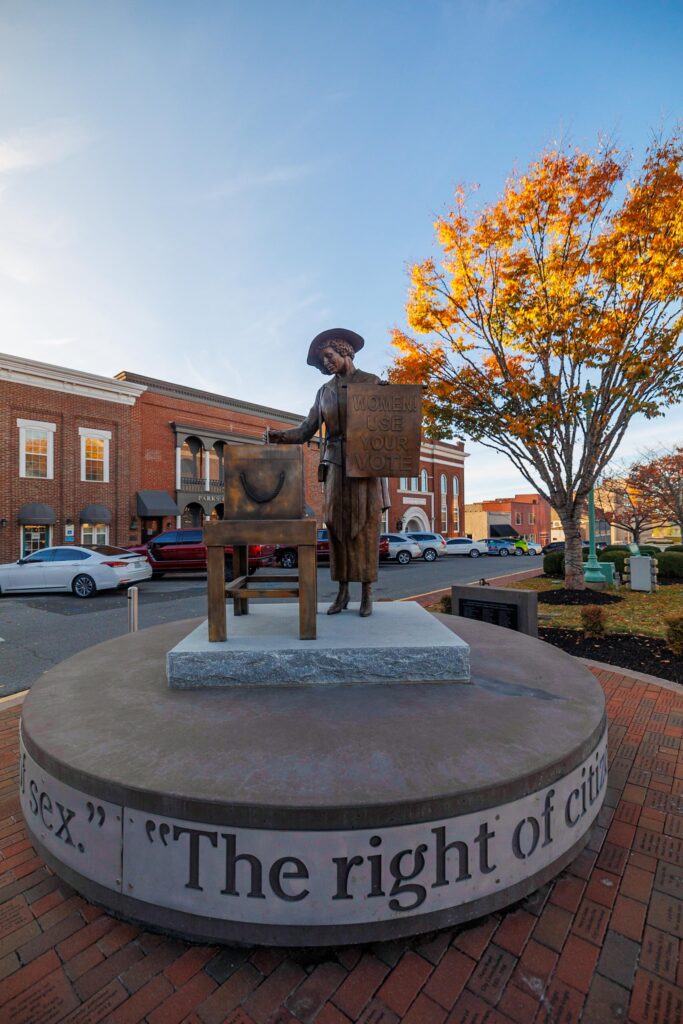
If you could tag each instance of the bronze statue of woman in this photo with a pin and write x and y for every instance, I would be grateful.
(352, 506)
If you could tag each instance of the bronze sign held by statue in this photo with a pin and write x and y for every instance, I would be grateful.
(383, 427)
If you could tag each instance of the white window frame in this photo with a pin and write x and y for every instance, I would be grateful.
(103, 435)
(92, 527)
(50, 428)
(424, 481)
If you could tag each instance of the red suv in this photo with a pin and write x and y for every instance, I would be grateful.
(183, 551)
(287, 555)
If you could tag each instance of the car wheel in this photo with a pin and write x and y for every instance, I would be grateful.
(475, 552)
(288, 560)
(503, 552)
(83, 586)
(403, 557)
(518, 551)
(429, 555)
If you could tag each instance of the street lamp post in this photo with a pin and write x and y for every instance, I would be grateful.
(592, 573)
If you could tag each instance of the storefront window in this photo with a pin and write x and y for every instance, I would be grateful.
(34, 538)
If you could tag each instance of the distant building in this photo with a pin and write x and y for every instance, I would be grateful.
(525, 515)
(603, 528)
(433, 501)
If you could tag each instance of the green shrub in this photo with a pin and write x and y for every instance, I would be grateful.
(553, 563)
(615, 547)
(593, 620)
(675, 547)
(555, 567)
(649, 550)
(670, 565)
(674, 632)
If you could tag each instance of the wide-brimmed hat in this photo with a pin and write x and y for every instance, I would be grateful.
(322, 339)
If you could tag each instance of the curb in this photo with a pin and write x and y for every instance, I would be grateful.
(641, 677)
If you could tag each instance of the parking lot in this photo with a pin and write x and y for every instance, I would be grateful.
(39, 630)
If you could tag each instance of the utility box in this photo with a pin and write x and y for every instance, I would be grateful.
(263, 482)
(641, 573)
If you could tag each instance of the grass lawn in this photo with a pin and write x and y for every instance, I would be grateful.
(638, 613)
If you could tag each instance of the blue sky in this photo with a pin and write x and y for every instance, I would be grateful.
(193, 190)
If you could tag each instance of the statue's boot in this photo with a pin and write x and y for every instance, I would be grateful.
(341, 600)
(366, 601)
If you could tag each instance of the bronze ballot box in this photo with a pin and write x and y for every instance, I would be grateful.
(264, 504)
(263, 482)
(384, 427)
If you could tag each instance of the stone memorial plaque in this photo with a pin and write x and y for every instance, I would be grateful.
(81, 831)
(384, 429)
(669, 879)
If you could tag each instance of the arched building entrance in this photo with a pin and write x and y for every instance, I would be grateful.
(193, 516)
(415, 521)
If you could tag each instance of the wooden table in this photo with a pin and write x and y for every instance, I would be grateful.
(239, 534)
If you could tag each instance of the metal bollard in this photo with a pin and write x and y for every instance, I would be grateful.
(132, 609)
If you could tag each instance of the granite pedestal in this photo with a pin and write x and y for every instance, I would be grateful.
(315, 815)
(399, 641)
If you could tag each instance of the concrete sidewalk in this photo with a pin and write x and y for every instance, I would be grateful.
(601, 943)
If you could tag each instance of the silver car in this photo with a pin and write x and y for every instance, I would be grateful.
(432, 545)
(401, 547)
(81, 570)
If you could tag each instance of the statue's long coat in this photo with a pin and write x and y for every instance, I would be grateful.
(352, 506)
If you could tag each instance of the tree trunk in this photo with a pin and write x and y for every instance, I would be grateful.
(573, 552)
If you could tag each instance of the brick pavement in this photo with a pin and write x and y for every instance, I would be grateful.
(600, 943)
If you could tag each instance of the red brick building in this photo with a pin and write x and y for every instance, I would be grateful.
(177, 475)
(528, 515)
(435, 499)
(93, 459)
(66, 457)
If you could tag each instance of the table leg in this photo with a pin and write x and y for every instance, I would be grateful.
(242, 556)
(308, 598)
(218, 626)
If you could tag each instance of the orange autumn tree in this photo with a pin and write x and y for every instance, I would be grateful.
(571, 279)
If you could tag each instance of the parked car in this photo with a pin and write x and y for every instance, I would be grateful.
(432, 545)
(534, 548)
(521, 546)
(82, 570)
(287, 555)
(558, 545)
(500, 546)
(399, 547)
(466, 546)
(183, 551)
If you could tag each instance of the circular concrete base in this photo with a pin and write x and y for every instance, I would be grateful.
(317, 816)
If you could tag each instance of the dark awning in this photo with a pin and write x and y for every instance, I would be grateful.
(35, 514)
(95, 514)
(156, 503)
(504, 530)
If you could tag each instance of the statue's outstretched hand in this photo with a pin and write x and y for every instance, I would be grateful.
(274, 436)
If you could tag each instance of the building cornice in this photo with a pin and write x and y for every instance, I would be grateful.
(32, 373)
(170, 390)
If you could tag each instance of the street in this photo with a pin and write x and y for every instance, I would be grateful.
(39, 630)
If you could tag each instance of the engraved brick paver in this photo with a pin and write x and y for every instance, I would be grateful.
(601, 943)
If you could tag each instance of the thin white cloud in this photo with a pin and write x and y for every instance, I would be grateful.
(238, 183)
(54, 142)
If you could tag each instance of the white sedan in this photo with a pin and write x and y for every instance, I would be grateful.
(466, 546)
(81, 570)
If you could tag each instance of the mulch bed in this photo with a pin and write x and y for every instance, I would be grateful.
(639, 653)
(564, 596)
